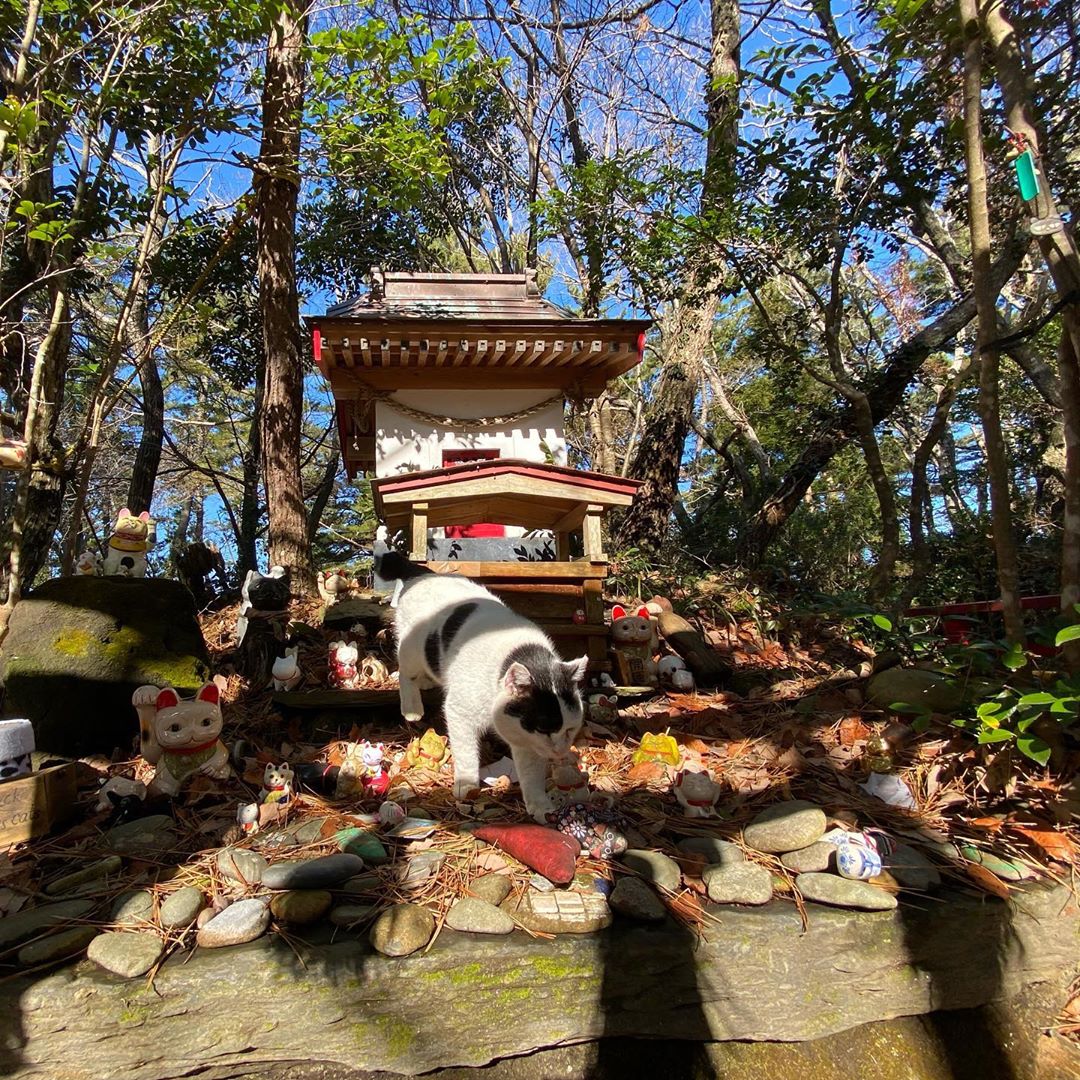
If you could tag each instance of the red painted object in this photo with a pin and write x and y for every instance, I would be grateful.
(958, 631)
(551, 853)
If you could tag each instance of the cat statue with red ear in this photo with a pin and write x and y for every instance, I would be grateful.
(634, 641)
(181, 738)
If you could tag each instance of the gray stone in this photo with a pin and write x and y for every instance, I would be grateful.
(654, 866)
(634, 899)
(322, 873)
(238, 864)
(364, 843)
(14, 928)
(914, 686)
(205, 916)
(349, 915)
(912, 868)
(541, 883)
(243, 921)
(717, 852)
(421, 868)
(816, 858)
(126, 955)
(842, 892)
(77, 648)
(559, 912)
(87, 875)
(151, 835)
(181, 908)
(300, 907)
(61, 946)
(402, 930)
(785, 826)
(474, 916)
(134, 909)
(742, 883)
(494, 888)
(362, 885)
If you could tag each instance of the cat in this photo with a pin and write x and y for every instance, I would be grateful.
(499, 670)
(126, 554)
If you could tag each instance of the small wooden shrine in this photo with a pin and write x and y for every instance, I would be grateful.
(450, 393)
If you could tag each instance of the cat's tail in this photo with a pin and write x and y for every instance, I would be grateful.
(393, 566)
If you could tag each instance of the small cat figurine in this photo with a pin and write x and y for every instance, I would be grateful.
(286, 674)
(634, 642)
(126, 556)
(335, 585)
(570, 783)
(350, 776)
(500, 672)
(262, 593)
(88, 564)
(342, 673)
(277, 785)
(697, 793)
(673, 673)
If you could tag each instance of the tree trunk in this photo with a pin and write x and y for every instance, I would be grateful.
(250, 507)
(148, 453)
(986, 294)
(277, 187)
(321, 496)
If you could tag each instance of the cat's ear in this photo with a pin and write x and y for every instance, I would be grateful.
(517, 679)
(643, 612)
(167, 698)
(209, 692)
(618, 612)
(576, 669)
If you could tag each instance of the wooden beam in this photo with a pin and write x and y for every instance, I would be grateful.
(418, 527)
(519, 351)
(462, 352)
(591, 533)
(463, 376)
(440, 355)
(511, 571)
(365, 351)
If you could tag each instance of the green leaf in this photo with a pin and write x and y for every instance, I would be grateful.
(994, 735)
(1015, 658)
(1033, 747)
(920, 723)
(1040, 698)
(1067, 634)
(882, 623)
(987, 709)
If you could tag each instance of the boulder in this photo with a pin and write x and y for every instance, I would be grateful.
(78, 647)
(914, 686)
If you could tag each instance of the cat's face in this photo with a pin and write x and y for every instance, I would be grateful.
(542, 709)
(277, 776)
(180, 725)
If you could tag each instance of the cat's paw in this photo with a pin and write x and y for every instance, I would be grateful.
(413, 717)
(463, 788)
(145, 695)
(540, 808)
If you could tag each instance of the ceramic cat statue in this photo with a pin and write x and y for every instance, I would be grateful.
(88, 564)
(181, 738)
(372, 672)
(277, 785)
(128, 544)
(350, 776)
(697, 793)
(570, 784)
(286, 673)
(116, 788)
(674, 674)
(16, 746)
(634, 641)
(342, 673)
(335, 585)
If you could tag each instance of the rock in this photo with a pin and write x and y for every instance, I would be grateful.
(914, 686)
(559, 912)
(151, 835)
(540, 883)
(61, 946)
(363, 843)
(413, 828)
(494, 888)
(816, 858)
(1006, 869)
(14, 928)
(134, 909)
(243, 921)
(475, 916)
(741, 883)
(421, 868)
(181, 908)
(348, 915)
(654, 866)
(548, 852)
(322, 873)
(77, 648)
(362, 885)
(300, 907)
(634, 899)
(308, 831)
(126, 955)
(402, 930)
(786, 826)
(239, 864)
(716, 852)
(92, 873)
(205, 916)
(842, 892)
(912, 869)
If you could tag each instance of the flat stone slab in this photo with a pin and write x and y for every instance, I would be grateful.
(469, 999)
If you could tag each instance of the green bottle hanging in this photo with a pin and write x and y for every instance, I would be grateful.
(1027, 175)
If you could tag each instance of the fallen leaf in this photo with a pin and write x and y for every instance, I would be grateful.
(986, 880)
(1054, 844)
(991, 824)
(646, 770)
(852, 729)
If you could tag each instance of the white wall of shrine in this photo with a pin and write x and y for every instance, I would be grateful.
(404, 443)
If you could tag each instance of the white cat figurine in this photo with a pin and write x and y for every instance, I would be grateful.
(500, 672)
(696, 792)
(674, 674)
(343, 674)
(126, 556)
(286, 673)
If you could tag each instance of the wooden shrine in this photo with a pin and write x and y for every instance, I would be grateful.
(450, 391)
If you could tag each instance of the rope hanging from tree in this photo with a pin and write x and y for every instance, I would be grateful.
(459, 423)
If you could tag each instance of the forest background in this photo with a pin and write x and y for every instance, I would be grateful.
(862, 377)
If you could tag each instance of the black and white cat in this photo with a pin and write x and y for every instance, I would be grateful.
(500, 672)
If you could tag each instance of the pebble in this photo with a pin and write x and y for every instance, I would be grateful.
(786, 826)
(541, 883)
(181, 908)
(126, 955)
(912, 869)
(57, 946)
(843, 892)
(421, 868)
(634, 899)
(22, 925)
(133, 908)
(717, 852)
(362, 885)
(238, 864)
(301, 906)
(243, 921)
(478, 917)
(402, 930)
(322, 873)
(306, 832)
(411, 828)
(559, 912)
(101, 868)
(348, 915)
(494, 888)
(1005, 869)
(816, 858)
(363, 843)
(654, 866)
(143, 836)
(205, 916)
(742, 883)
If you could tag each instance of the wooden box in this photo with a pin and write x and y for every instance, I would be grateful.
(32, 805)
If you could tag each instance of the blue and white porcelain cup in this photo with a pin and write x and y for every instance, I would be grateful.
(857, 861)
